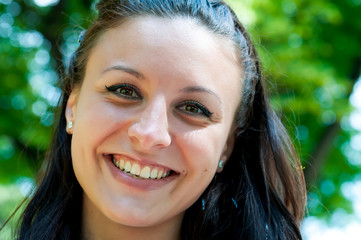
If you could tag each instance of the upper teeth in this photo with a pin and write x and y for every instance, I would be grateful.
(138, 171)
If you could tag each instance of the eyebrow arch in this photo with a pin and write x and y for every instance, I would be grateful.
(125, 69)
(201, 89)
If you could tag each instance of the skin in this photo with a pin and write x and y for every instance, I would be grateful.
(166, 64)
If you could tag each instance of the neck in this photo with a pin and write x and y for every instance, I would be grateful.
(96, 226)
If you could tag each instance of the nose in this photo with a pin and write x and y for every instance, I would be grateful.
(150, 129)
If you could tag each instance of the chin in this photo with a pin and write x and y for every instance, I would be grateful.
(134, 218)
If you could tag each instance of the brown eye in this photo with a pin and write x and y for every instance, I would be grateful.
(194, 108)
(125, 91)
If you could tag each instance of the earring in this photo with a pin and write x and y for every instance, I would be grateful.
(234, 202)
(203, 204)
(221, 164)
(69, 126)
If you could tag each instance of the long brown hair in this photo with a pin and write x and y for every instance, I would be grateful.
(260, 194)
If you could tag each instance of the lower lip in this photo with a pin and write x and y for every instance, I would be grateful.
(138, 183)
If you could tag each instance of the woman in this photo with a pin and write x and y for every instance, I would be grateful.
(165, 132)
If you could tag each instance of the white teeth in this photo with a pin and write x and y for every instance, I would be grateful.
(135, 170)
(116, 163)
(154, 174)
(127, 166)
(121, 164)
(145, 172)
(160, 174)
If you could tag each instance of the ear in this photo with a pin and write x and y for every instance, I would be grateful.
(70, 110)
(227, 151)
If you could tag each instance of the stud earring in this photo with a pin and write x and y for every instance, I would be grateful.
(221, 164)
(69, 126)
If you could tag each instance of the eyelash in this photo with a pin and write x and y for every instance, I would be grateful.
(193, 103)
(204, 110)
(113, 89)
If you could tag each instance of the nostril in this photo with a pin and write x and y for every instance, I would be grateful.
(149, 137)
(133, 138)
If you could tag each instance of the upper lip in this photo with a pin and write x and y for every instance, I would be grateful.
(143, 161)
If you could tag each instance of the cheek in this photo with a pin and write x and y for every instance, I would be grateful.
(202, 149)
(95, 122)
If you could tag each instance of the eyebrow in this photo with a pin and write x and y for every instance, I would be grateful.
(125, 69)
(141, 76)
(201, 89)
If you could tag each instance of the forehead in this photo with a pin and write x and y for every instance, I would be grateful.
(176, 36)
(174, 49)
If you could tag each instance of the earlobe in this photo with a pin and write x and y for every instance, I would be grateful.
(70, 111)
(227, 151)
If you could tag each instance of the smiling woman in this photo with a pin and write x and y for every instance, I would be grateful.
(165, 132)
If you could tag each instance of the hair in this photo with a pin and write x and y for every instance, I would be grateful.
(260, 194)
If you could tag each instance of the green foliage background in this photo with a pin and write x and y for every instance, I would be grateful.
(311, 55)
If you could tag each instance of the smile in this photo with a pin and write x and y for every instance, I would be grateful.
(134, 169)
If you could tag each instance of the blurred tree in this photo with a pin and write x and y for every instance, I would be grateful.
(310, 52)
(34, 40)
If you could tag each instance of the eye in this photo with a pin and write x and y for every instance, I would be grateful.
(125, 91)
(194, 108)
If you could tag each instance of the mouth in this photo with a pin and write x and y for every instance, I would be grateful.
(137, 170)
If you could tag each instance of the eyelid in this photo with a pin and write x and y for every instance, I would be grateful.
(203, 109)
(112, 89)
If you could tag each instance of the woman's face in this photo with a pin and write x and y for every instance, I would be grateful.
(153, 118)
